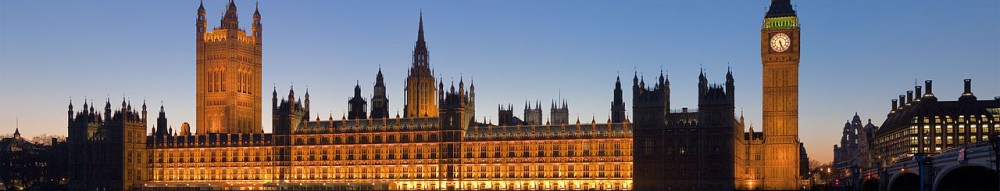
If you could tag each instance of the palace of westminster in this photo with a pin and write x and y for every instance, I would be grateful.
(437, 144)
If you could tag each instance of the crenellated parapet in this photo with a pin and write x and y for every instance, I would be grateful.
(102, 143)
(369, 125)
(716, 94)
(88, 124)
(210, 140)
(288, 114)
(457, 107)
(593, 130)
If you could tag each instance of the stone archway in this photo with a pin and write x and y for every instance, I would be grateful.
(968, 178)
(905, 182)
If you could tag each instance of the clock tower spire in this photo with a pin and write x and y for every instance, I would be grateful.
(779, 51)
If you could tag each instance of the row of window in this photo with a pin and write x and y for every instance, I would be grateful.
(368, 139)
(618, 170)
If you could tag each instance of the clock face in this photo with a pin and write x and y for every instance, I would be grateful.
(780, 42)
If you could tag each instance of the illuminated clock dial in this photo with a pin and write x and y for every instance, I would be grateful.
(780, 42)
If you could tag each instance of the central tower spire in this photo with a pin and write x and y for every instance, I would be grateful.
(420, 52)
(420, 33)
(420, 90)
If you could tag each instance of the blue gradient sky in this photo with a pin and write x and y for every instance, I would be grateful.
(856, 55)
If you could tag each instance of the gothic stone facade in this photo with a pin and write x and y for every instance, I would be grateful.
(229, 75)
(107, 151)
(773, 159)
(438, 144)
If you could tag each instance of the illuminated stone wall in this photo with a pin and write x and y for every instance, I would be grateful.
(780, 60)
(404, 154)
(229, 76)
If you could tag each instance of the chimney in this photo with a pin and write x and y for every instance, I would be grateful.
(684, 110)
(930, 92)
(902, 101)
(894, 106)
(917, 95)
(968, 87)
(909, 97)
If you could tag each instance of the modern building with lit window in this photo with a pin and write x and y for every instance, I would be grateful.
(919, 123)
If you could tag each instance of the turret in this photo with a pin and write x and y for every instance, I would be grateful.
(124, 106)
(274, 100)
(161, 123)
(291, 95)
(107, 110)
(144, 110)
(307, 102)
(559, 112)
(230, 20)
(455, 112)
(618, 104)
(357, 105)
(505, 116)
(702, 83)
(730, 86)
(256, 23)
(201, 23)
(461, 86)
(666, 89)
(380, 102)
(69, 114)
(635, 81)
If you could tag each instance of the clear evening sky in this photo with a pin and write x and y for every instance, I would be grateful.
(856, 55)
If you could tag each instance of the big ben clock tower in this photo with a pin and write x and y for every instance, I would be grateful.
(779, 51)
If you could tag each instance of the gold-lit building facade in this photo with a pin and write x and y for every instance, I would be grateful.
(437, 144)
(229, 75)
(402, 154)
(772, 158)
